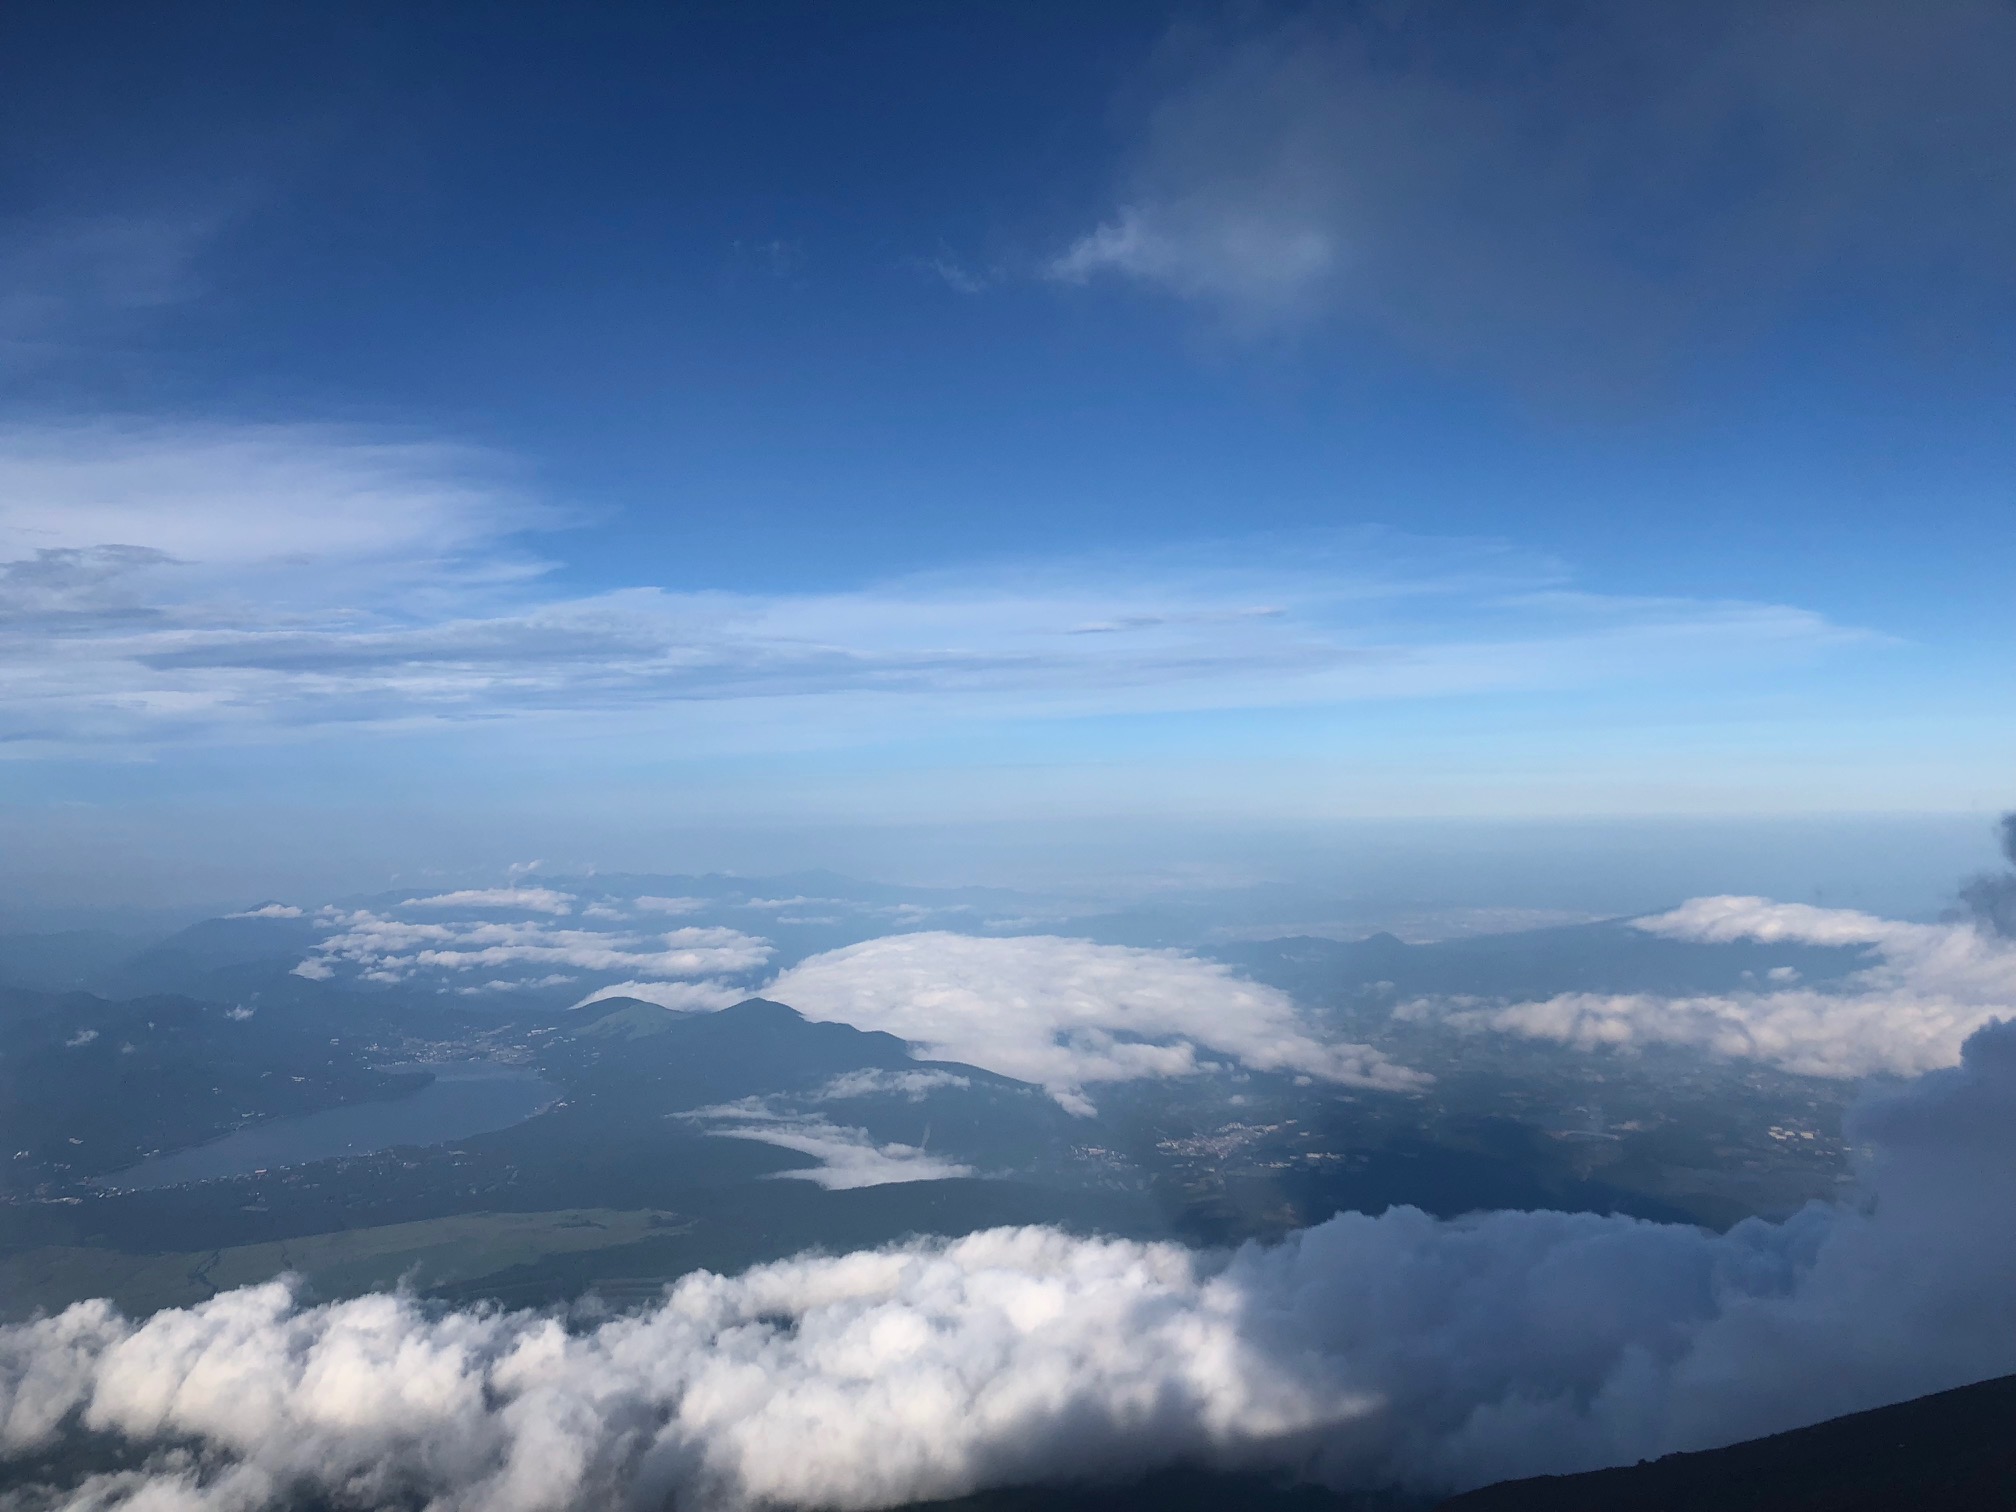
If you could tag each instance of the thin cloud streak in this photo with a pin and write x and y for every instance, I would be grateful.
(849, 1158)
(373, 947)
(152, 591)
(1546, 195)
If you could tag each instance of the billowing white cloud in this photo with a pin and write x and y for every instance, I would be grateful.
(526, 899)
(1068, 1014)
(1723, 920)
(1929, 987)
(151, 589)
(848, 1157)
(268, 911)
(1389, 1351)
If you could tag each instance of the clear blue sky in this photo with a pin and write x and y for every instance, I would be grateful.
(591, 421)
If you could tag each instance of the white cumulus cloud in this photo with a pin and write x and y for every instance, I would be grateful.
(1928, 988)
(1068, 1014)
(1390, 1351)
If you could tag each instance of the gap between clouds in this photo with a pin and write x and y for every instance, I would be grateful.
(214, 583)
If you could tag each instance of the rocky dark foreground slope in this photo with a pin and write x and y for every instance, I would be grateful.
(1952, 1452)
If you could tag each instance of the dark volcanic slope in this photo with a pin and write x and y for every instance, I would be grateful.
(1953, 1452)
(1187, 1490)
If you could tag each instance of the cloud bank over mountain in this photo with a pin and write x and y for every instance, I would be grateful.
(1366, 1351)
(382, 948)
(1069, 1014)
(1928, 988)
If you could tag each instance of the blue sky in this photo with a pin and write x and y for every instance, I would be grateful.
(609, 421)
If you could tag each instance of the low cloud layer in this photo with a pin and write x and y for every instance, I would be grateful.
(379, 947)
(1927, 989)
(848, 1157)
(1397, 1350)
(1069, 1014)
(152, 592)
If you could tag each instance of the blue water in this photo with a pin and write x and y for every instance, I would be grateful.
(465, 1097)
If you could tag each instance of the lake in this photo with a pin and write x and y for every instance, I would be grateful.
(465, 1097)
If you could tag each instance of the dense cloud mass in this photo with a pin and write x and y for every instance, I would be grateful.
(1066, 1014)
(1365, 1351)
(1990, 899)
(1928, 988)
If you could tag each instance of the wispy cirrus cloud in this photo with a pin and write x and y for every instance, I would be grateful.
(163, 584)
(1546, 195)
(849, 1156)
(66, 282)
